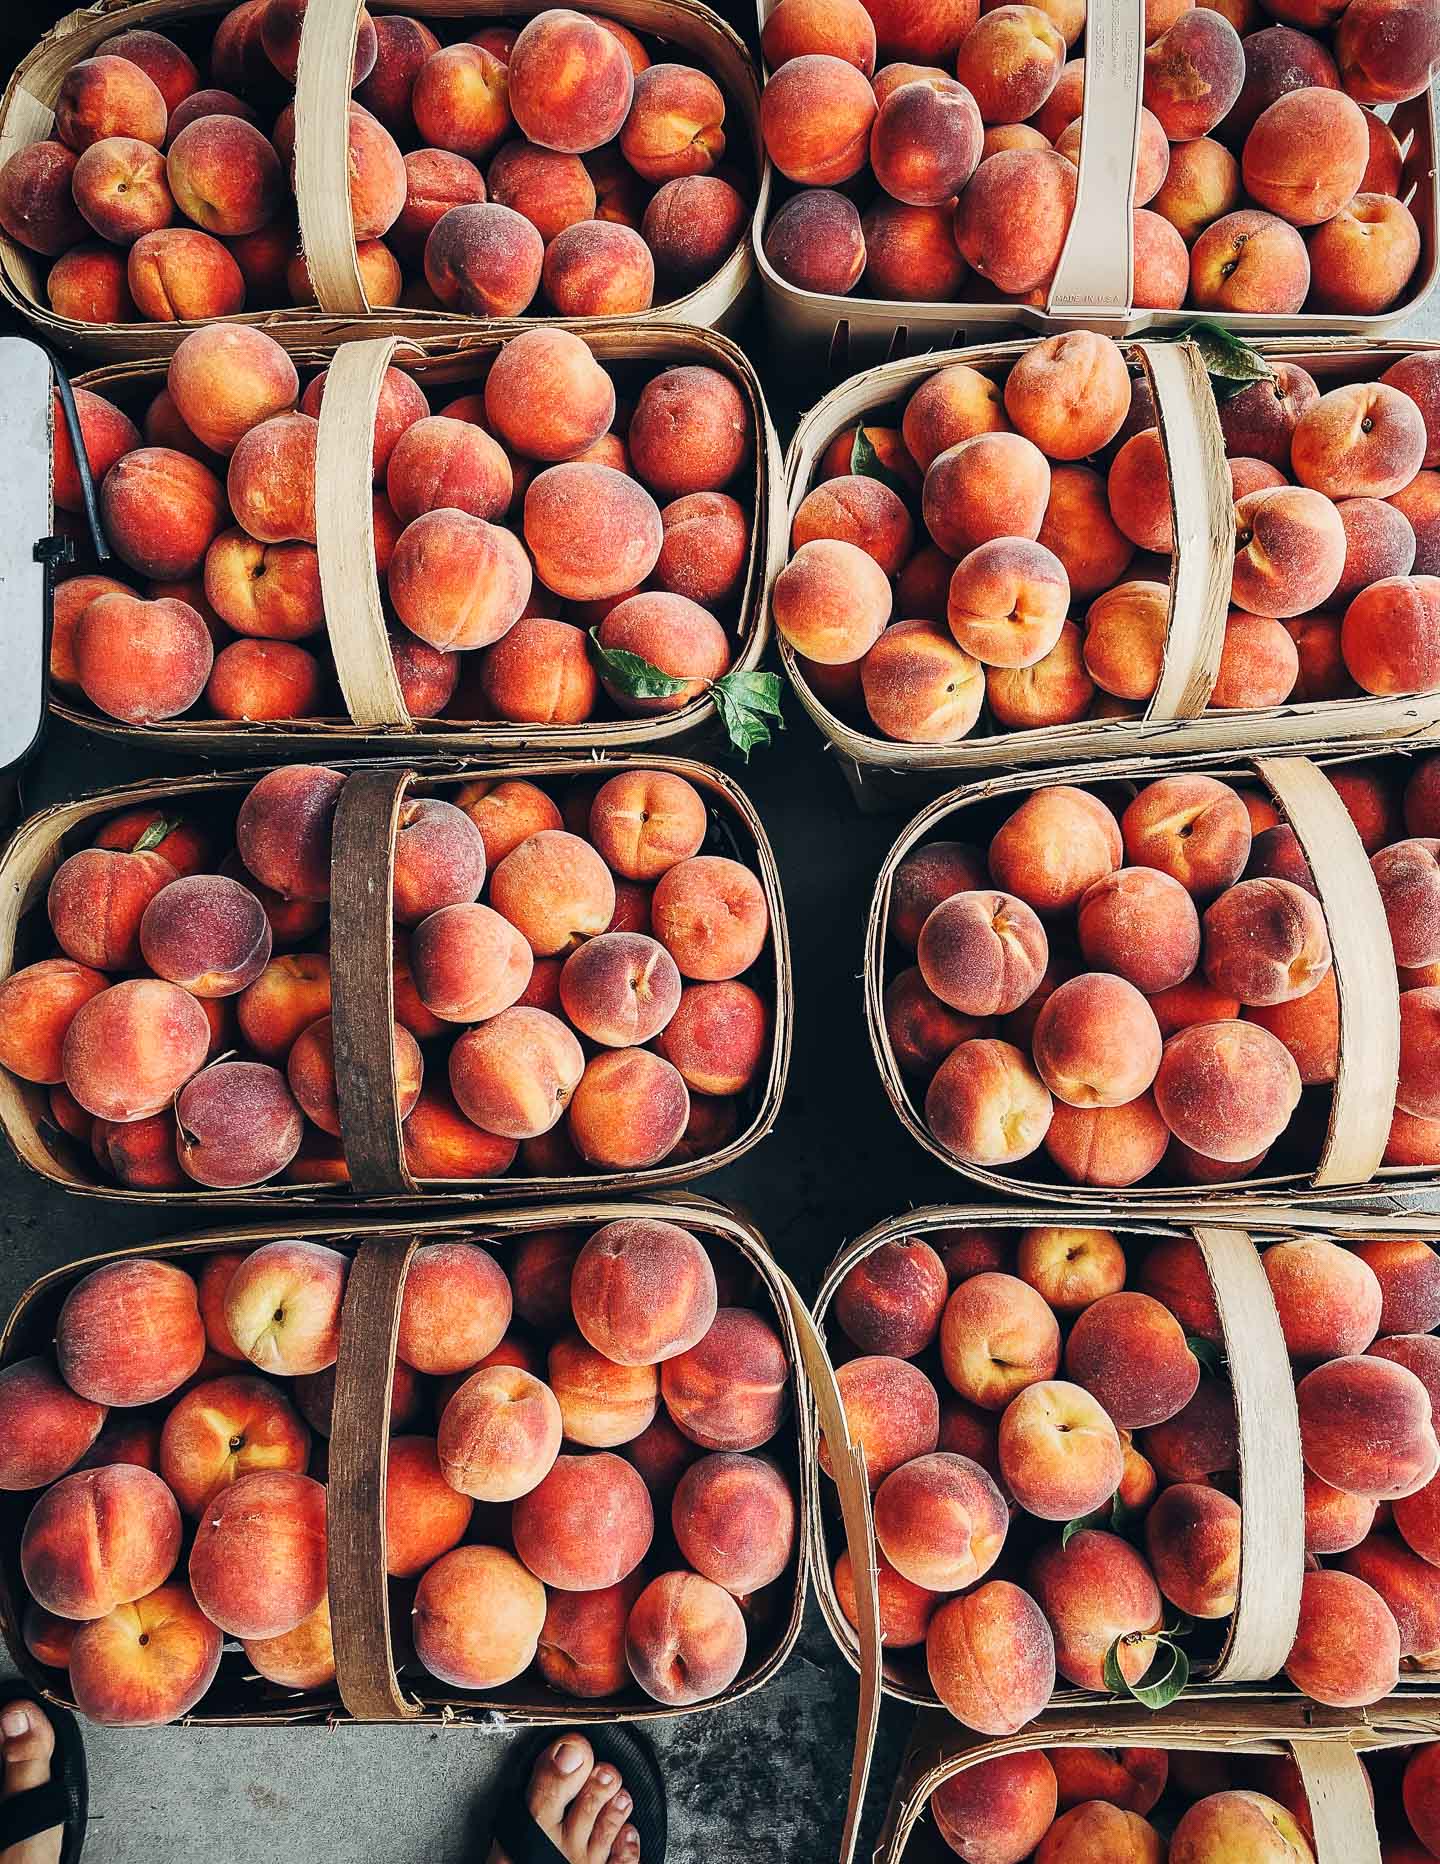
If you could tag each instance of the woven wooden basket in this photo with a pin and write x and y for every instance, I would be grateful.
(1176, 719)
(354, 609)
(1350, 1169)
(1325, 1744)
(1255, 1641)
(322, 167)
(369, 1685)
(1091, 288)
(363, 984)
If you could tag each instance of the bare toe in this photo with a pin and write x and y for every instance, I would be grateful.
(590, 1802)
(607, 1829)
(560, 1774)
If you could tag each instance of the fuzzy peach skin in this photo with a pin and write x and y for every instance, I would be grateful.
(1408, 1271)
(1141, 924)
(1007, 601)
(1390, 635)
(588, 1524)
(1347, 1645)
(1266, 942)
(145, 1662)
(477, 1618)
(730, 1391)
(424, 1515)
(37, 1006)
(257, 1565)
(1328, 1299)
(455, 1308)
(602, 1405)
(734, 1519)
(991, 1658)
(817, 242)
(997, 1811)
(891, 1302)
(1131, 1778)
(892, 1413)
(997, 1336)
(99, 1538)
(1060, 1454)
(1058, 842)
(685, 1640)
(1226, 1090)
(499, 1434)
(582, 1645)
(1194, 828)
(514, 1074)
(643, 1291)
(1130, 1352)
(130, 1332)
(1239, 1824)
(987, 1105)
(816, 115)
(300, 1659)
(992, 485)
(1014, 216)
(224, 1429)
(856, 509)
(1393, 1452)
(1093, 1591)
(282, 1306)
(469, 962)
(45, 1428)
(982, 953)
(831, 601)
(1095, 1041)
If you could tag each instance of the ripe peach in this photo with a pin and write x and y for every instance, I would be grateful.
(1347, 1644)
(257, 1565)
(424, 1515)
(1365, 439)
(514, 1074)
(1266, 942)
(996, 1811)
(991, 486)
(601, 1404)
(99, 1538)
(1226, 1090)
(571, 83)
(224, 1429)
(956, 403)
(1130, 1352)
(47, 1426)
(1362, 259)
(675, 123)
(991, 1658)
(940, 1521)
(1014, 216)
(892, 1300)
(582, 1645)
(1058, 842)
(141, 661)
(237, 1124)
(892, 1414)
(997, 1336)
(840, 27)
(643, 1291)
(484, 259)
(1059, 1452)
(730, 1390)
(1097, 1592)
(130, 1048)
(477, 1617)
(1194, 73)
(439, 463)
(91, 283)
(628, 1111)
(816, 114)
(1419, 504)
(986, 1105)
(37, 208)
(1096, 1041)
(300, 1659)
(1388, 52)
(146, 1661)
(1068, 394)
(1408, 1271)
(499, 1434)
(685, 1639)
(816, 242)
(282, 1306)
(1249, 261)
(1130, 1778)
(1312, 113)
(982, 953)
(588, 1524)
(1193, 828)
(734, 1521)
(925, 140)
(1396, 1452)
(37, 1006)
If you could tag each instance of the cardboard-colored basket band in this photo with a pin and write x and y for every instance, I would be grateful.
(1203, 519)
(1363, 1103)
(355, 1497)
(1272, 1475)
(322, 155)
(852, 1481)
(362, 981)
(1097, 260)
(1341, 1809)
(345, 533)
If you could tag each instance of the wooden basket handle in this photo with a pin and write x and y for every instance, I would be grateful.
(1096, 263)
(1203, 520)
(345, 531)
(1341, 1809)
(322, 155)
(359, 1451)
(1272, 1476)
(362, 981)
(1363, 1102)
(853, 1485)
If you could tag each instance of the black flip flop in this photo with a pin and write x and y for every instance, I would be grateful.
(621, 1747)
(64, 1799)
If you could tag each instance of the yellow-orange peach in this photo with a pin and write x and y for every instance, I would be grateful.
(1365, 439)
(1396, 1452)
(47, 1426)
(1309, 1027)
(734, 1518)
(310, 1070)
(1096, 1592)
(455, 1309)
(1327, 1298)
(1201, 184)
(1347, 1645)
(1102, 1830)
(514, 1074)
(582, 1645)
(675, 123)
(37, 1006)
(588, 1524)
(1193, 828)
(601, 1404)
(1130, 1352)
(1068, 394)
(1130, 1778)
(956, 403)
(425, 1516)
(1309, 193)
(996, 1811)
(997, 1336)
(1060, 1454)
(1408, 1271)
(282, 1306)
(1007, 601)
(469, 962)
(920, 687)
(910, 254)
(685, 1639)
(1362, 259)
(1138, 492)
(940, 1521)
(146, 1661)
(1056, 690)
(905, 1609)
(477, 1617)
(1014, 216)
(730, 1390)
(986, 1105)
(1058, 842)
(224, 1429)
(991, 1658)
(1096, 1042)
(130, 1048)
(643, 1291)
(226, 379)
(1407, 1585)
(1141, 924)
(499, 1434)
(993, 485)
(1192, 1538)
(1249, 261)
(629, 1110)
(816, 114)
(98, 1539)
(300, 1659)
(1070, 1268)
(925, 140)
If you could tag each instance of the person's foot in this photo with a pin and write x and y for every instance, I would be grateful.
(582, 1808)
(26, 1743)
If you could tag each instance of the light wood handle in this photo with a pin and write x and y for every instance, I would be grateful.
(1097, 260)
(322, 155)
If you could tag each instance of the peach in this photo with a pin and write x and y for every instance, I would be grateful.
(424, 1515)
(730, 1390)
(37, 209)
(628, 1111)
(1059, 1452)
(1011, 60)
(1266, 942)
(109, 95)
(921, 1029)
(271, 479)
(547, 397)
(662, 1455)
(47, 1638)
(402, 403)
(685, 1639)
(1130, 1352)
(676, 635)
(996, 1811)
(1056, 690)
(925, 878)
(1389, 635)
(131, 1048)
(206, 932)
(991, 486)
(147, 1661)
(594, 532)
(225, 175)
(1334, 1522)
(986, 1105)
(477, 1617)
(283, 830)
(1395, 1454)
(268, 591)
(552, 190)
(1058, 842)
(484, 259)
(1130, 1778)
(601, 1404)
(435, 181)
(892, 1414)
(571, 83)
(1259, 422)
(675, 123)
(555, 890)
(1249, 261)
(177, 274)
(458, 581)
(401, 48)
(1408, 1271)
(1201, 184)
(956, 403)
(142, 1154)
(1416, 1092)
(1365, 439)
(1419, 1796)
(643, 822)
(499, 1434)
(1419, 504)
(734, 1518)
(997, 1336)
(1309, 1027)
(1408, 1586)
(1306, 196)
(1138, 492)
(455, 1309)
(816, 242)
(925, 140)
(582, 1644)
(541, 1266)
(940, 1521)
(282, 1306)
(842, 28)
(643, 1291)
(919, 686)
(717, 1037)
(226, 379)
(231, 1098)
(1070, 1268)
(1140, 923)
(905, 1609)
(439, 859)
(460, 100)
(141, 661)
(910, 254)
(300, 1659)
(991, 1658)
(1227, 1089)
(1096, 1042)
(439, 462)
(705, 546)
(859, 510)
(1096, 1591)
(1388, 52)
(588, 1524)
(1379, 543)
(72, 598)
(428, 675)
(1347, 1644)
(1193, 828)
(1014, 216)
(1362, 259)
(1194, 73)
(91, 283)
(161, 509)
(225, 1429)
(310, 1070)
(47, 1426)
(711, 915)
(1192, 1537)
(257, 1565)
(891, 1301)
(1007, 601)
(514, 1075)
(119, 186)
(1070, 393)
(689, 432)
(831, 601)
(38, 1005)
(98, 1539)
(620, 988)
(816, 115)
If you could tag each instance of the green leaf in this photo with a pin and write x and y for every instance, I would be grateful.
(156, 833)
(1212, 1360)
(744, 702)
(1099, 1519)
(865, 461)
(632, 674)
(1161, 1683)
(1230, 363)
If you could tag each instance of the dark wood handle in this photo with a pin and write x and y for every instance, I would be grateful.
(359, 1446)
(362, 981)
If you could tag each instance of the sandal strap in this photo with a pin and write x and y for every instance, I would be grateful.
(521, 1838)
(38, 1809)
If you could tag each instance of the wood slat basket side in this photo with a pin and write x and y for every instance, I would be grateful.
(1091, 288)
(363, 981)
(27, 115)
(1176, 719)
(1363, 1099)
(369, 1687)
(1325, 1744)
(1257, 1638)
(353, 594)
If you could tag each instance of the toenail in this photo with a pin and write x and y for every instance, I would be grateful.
(605, 1775)
(16, 1722)
(622, 1802)
(568, 1756)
